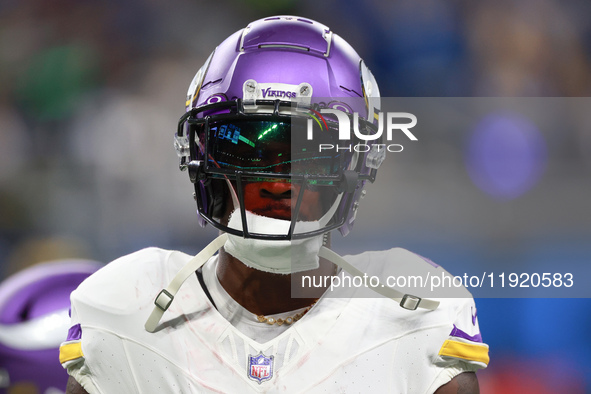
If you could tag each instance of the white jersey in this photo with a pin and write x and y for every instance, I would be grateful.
(341, 345)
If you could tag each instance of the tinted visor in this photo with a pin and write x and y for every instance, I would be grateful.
(269, 146)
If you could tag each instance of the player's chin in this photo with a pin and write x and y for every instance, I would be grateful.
(302, 217)
(274, 213)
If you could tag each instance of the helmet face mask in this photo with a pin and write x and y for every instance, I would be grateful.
(227, 144)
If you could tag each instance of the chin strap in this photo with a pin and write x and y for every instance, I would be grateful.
(407, 301)
(166, 296)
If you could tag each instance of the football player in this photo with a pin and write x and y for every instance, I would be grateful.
(239, 316)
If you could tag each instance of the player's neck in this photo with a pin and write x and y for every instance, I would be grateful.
(264, 293)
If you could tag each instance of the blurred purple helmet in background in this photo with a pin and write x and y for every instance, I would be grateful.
(34, 320)
(269, 67)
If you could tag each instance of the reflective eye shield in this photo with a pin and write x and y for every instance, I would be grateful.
(272, 147)
(283, 140)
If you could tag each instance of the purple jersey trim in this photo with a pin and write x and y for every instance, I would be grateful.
(74, 333)
(456, 332)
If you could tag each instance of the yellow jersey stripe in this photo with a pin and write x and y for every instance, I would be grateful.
(466, 351)
(70, 351)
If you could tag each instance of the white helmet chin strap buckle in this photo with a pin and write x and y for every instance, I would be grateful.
(166, 296)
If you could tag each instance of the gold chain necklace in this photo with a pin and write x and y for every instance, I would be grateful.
(288, 320)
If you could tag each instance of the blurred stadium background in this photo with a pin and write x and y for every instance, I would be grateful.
(90, 93)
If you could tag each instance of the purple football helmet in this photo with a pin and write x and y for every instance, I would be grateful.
(260, 107)
(34, 320)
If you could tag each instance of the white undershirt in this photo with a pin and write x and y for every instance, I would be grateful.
(244, 320)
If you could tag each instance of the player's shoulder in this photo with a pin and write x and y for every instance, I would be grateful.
(398, 261)
(388, 258)
(414, 274)
(129, 281)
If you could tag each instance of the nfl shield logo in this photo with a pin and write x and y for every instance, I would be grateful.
(260, 367)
